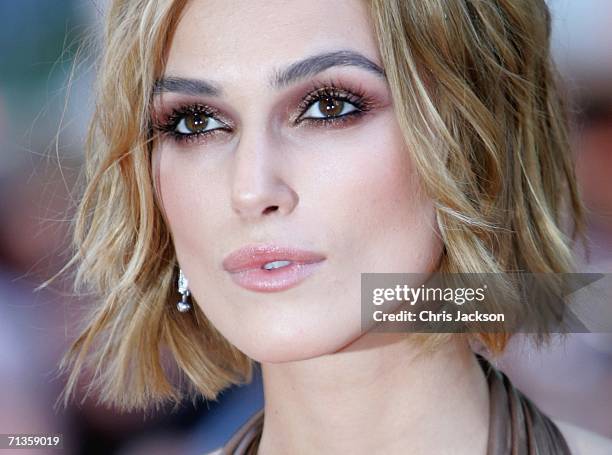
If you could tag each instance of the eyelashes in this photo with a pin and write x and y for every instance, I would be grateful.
(190, 122)
(328, 105)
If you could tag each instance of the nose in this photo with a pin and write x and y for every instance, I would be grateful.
(259, 187)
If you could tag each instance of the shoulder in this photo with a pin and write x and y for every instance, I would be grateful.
(582, 441)
(215, 452)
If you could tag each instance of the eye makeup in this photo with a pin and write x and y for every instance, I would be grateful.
(189, 114)
(329, 99)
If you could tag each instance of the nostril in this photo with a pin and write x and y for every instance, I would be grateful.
(272, 208)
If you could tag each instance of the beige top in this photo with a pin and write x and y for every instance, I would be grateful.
(516, 425)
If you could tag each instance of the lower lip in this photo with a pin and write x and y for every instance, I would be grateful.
(274, 280)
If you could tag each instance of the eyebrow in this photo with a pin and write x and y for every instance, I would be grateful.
(320, 62)
(281, 78)
(186, 86)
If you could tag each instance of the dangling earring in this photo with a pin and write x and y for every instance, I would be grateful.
(183, 305)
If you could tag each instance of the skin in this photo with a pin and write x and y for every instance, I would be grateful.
(349, 192)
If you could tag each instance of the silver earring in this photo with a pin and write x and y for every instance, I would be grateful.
(183, 305)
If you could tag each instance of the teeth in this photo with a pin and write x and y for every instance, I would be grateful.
(276, 264)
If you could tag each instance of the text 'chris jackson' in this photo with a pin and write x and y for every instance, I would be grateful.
(444, 316)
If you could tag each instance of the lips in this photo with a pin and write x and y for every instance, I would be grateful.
(256, 256)
(284, 267)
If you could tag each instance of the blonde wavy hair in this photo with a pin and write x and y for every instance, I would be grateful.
(477, 99)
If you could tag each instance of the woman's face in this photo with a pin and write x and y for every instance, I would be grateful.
(293, 143)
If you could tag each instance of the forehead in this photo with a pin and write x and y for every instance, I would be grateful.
(240, 39)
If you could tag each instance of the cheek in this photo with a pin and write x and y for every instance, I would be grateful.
(375, 206)
(189, 210)
(173, 190)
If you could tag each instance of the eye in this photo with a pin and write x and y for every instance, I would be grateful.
(332, 104)
(329, 106)
(196, 123)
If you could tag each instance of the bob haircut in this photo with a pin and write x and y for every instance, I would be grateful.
(477, 99)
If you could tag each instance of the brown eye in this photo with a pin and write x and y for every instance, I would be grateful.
(330, 107)
(195, 122)
(192, 123)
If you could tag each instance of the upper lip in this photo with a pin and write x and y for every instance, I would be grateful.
(255, 256)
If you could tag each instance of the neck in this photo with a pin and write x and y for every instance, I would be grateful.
(380, 394)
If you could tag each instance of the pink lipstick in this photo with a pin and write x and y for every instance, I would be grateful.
(270, 268)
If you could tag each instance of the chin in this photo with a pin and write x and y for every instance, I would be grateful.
(282, 345)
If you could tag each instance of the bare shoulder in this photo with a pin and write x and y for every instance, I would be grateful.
(582, 441)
